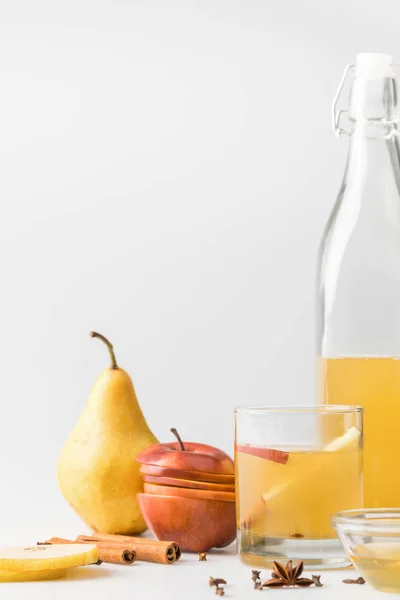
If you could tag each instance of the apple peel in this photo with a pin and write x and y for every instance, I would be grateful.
(278, 456)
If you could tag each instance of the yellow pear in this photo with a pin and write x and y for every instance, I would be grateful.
(97, 470)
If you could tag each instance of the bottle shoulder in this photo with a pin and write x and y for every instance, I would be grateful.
(360, 231)
(358, 284)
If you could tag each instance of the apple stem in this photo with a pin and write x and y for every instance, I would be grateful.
(94, 334)
(178, 437)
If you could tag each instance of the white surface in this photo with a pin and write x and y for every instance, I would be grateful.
(166, 172)
(186, 579)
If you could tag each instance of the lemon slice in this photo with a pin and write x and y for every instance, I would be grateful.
(47, 557)
(44, 575)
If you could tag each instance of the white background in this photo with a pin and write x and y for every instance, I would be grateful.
(167, 168)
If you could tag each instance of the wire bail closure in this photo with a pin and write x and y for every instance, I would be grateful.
(337, 114)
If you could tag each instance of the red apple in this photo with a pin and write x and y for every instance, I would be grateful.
(187, 456)
(169, 490)
(187, 483)
(193, 475)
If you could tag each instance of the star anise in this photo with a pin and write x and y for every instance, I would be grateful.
(287, 576)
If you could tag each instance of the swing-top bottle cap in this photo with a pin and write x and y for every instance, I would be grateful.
(374, 93)
(374, 66)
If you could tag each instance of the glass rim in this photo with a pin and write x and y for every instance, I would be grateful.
(336, 409)
(370, 520)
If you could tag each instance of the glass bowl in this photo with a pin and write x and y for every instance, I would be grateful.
(371, 539)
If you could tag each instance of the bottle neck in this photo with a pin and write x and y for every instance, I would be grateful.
(374, 150)
(372, 177)
(374, 100)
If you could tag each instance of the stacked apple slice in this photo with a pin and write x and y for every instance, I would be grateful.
(185, 486)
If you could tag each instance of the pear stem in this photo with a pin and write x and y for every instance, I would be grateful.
(178, 437)
(94, 334)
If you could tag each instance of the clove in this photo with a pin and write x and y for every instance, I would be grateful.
(359, 581)
(317, 580)
(216, 581)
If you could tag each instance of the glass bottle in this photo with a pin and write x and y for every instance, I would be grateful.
(358, 304)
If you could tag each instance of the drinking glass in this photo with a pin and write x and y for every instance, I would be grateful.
(295, 468)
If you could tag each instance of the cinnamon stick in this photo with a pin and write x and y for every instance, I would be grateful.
(146, 549)
(109, 553)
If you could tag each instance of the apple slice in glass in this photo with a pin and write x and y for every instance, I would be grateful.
(266, 453)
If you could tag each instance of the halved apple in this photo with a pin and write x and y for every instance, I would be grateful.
(196, 524)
